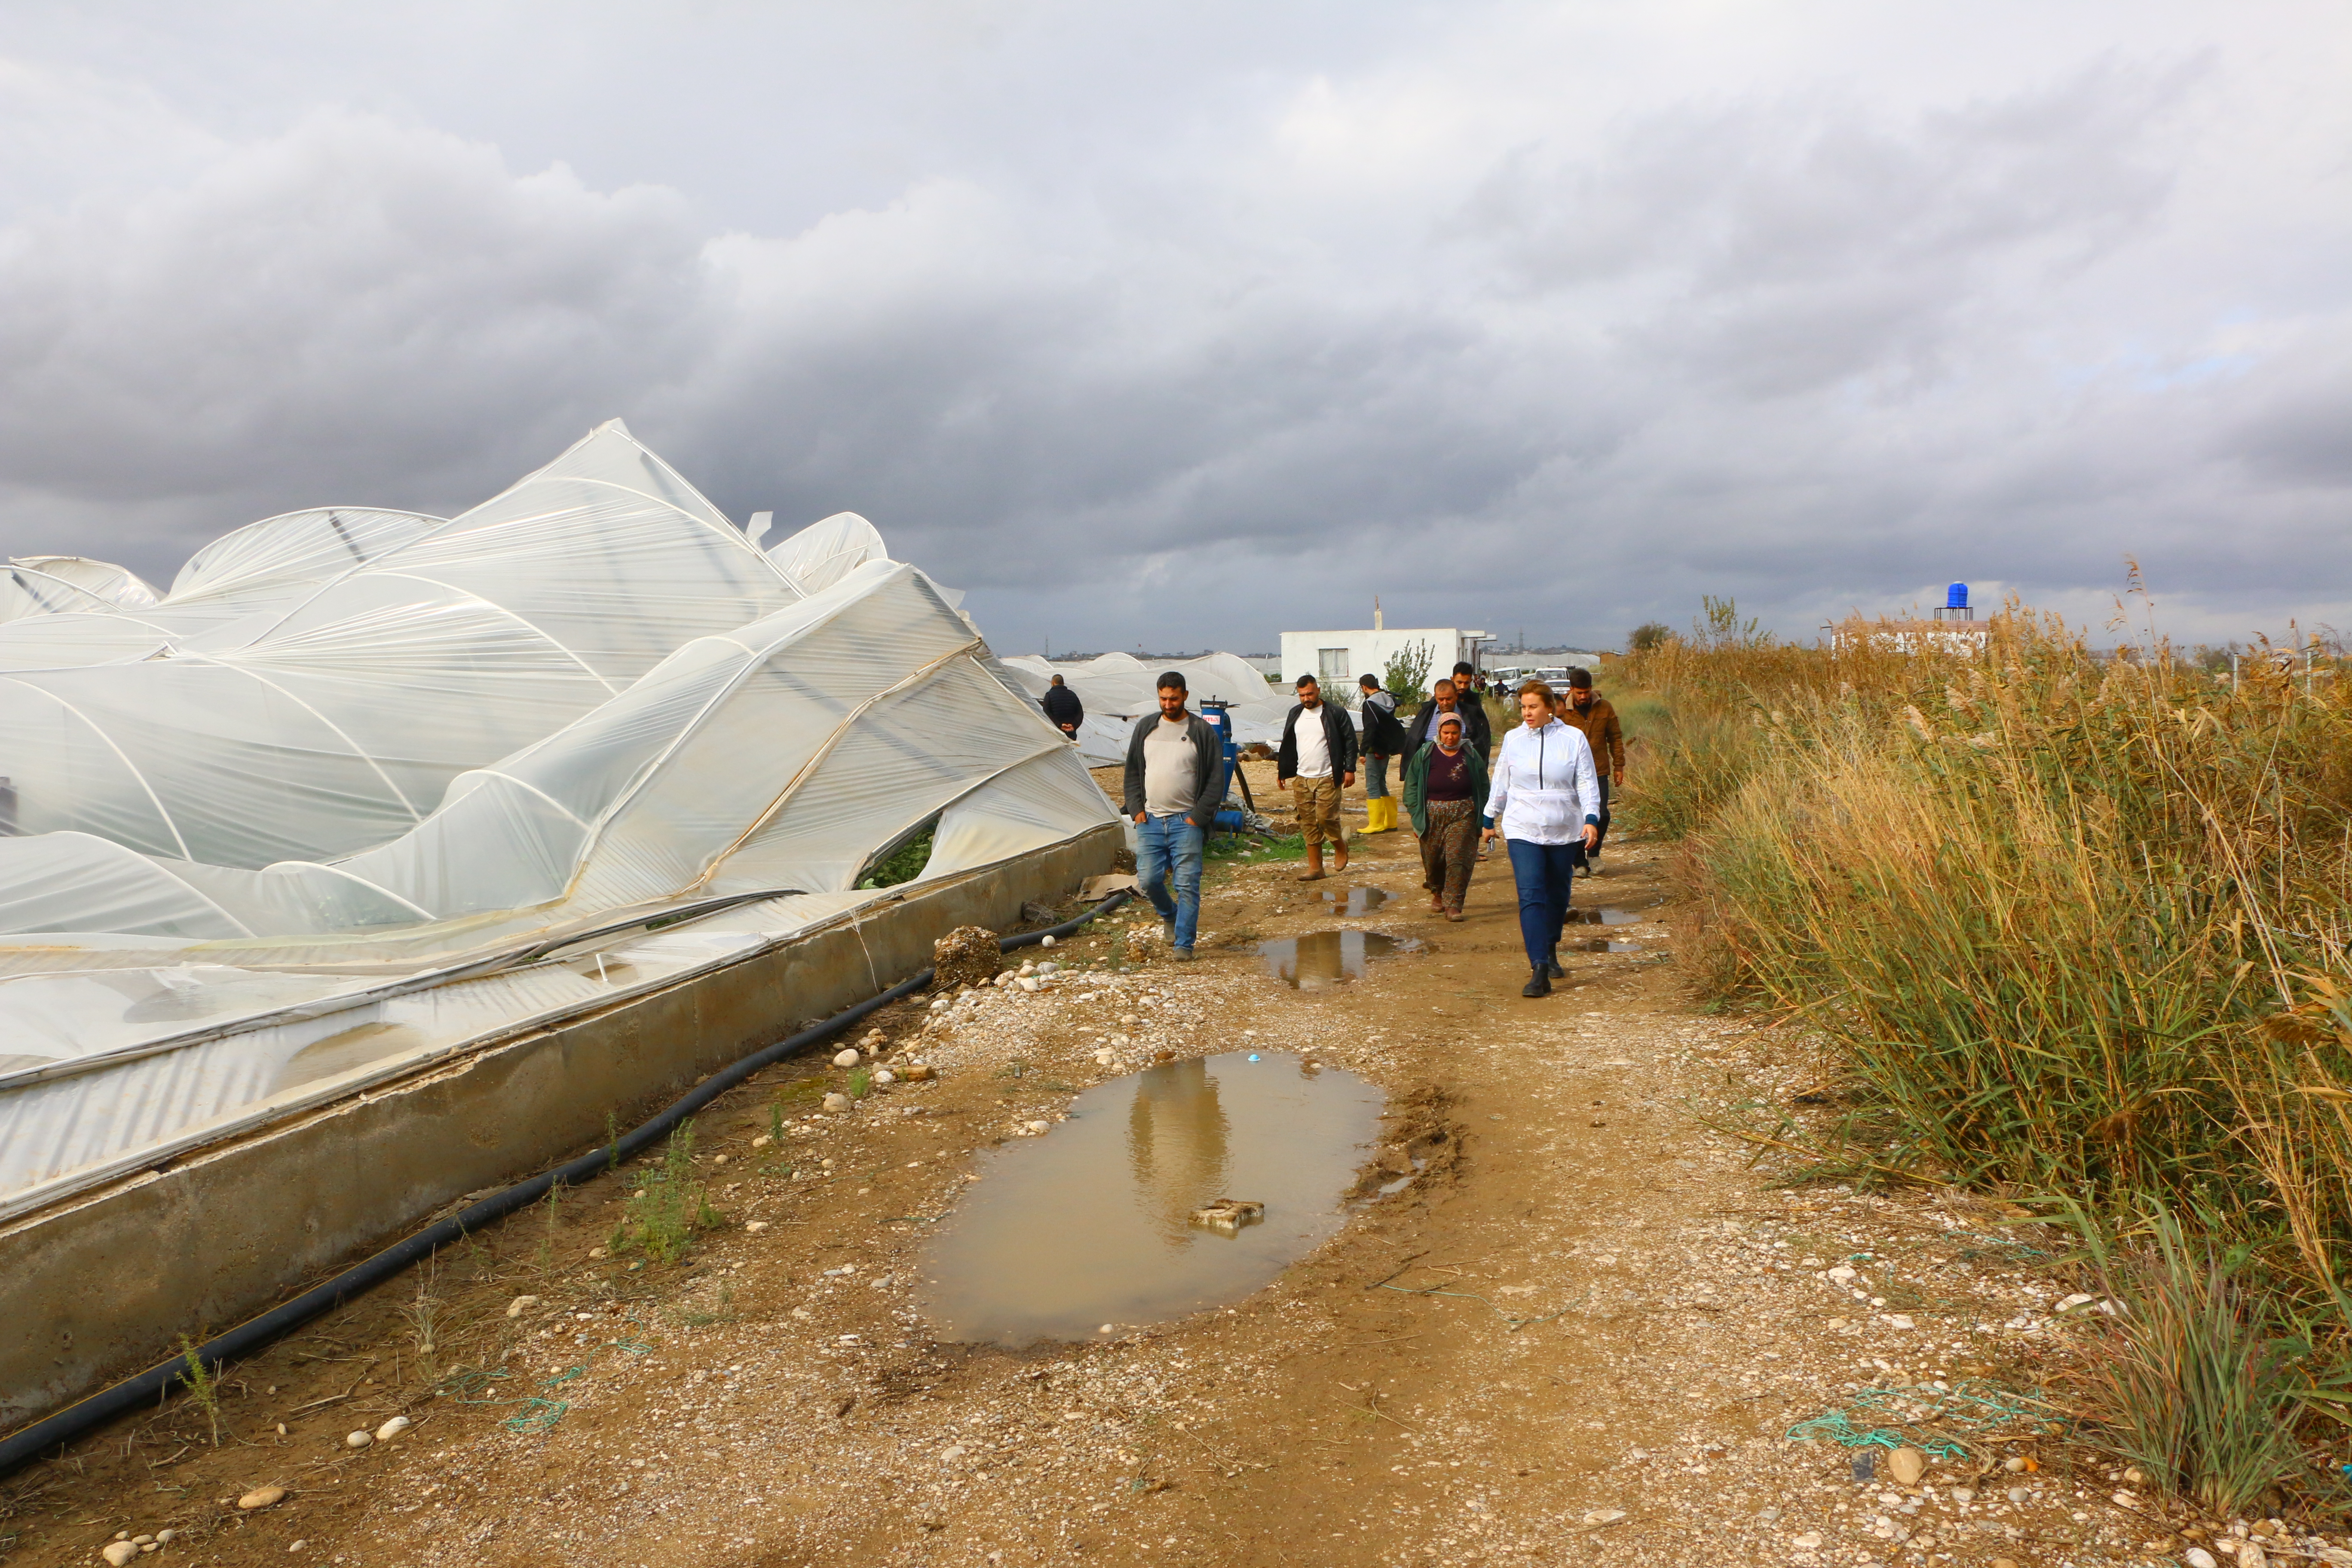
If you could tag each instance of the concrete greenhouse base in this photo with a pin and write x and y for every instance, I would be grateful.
(104, 1282)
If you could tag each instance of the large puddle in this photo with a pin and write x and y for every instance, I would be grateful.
(1092, 1224)
(1605, 916)
(1324, 958)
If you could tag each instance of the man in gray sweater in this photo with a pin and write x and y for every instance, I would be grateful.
(1175, 782)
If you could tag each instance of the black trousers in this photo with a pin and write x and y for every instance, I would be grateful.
(1603, 813)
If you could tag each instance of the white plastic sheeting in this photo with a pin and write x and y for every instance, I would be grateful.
(1118, 688)
(276, 828)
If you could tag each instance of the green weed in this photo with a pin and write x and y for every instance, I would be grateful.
(667, 1206)
(203, 1385)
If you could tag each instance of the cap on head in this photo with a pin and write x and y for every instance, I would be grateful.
(1581, 679)
(1172, 681)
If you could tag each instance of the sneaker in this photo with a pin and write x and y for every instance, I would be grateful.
(1539, 984)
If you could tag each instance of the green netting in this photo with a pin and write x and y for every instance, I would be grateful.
(1941, 1422)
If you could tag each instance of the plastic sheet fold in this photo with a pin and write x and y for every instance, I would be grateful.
(248, 823)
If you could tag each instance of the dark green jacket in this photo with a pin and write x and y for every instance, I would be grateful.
(1416, 784)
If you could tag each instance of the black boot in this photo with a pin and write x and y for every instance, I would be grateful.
(1551, 966)
(1539, 984)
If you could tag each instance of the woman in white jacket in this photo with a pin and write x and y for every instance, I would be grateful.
(1545, 798)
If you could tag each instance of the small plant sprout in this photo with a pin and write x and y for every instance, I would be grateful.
(203, 1383)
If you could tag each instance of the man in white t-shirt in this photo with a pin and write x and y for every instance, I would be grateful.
(1175, 782)
(1317, 761)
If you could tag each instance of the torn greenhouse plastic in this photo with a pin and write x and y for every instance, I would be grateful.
(305, 814)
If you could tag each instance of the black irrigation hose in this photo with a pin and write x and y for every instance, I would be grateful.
(52, 1432)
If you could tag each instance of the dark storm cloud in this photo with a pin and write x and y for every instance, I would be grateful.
(1425, 328)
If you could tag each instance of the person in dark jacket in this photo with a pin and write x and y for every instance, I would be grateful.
(1445, 698)
(1175, 782)
(1316, 762)
(1588, 711)
(1062, 706)
(1445, 795)
(1381, 737)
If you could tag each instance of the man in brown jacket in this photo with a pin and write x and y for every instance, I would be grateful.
(1588, 711)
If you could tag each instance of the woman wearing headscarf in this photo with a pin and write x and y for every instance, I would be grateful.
(1445, 795)
(1546, 800)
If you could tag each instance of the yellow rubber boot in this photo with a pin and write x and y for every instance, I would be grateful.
(1380, 814)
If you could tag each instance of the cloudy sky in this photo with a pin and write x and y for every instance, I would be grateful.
(1182, 324)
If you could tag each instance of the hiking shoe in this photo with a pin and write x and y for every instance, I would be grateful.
(1180, 954)
(1539, 984)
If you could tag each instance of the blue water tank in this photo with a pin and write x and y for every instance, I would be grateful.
(1956, 597)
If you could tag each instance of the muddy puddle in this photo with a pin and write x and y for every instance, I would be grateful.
(1324, 958)
(1092, 1224)
(1602, 944)
(1606, 916)
(1354, 901)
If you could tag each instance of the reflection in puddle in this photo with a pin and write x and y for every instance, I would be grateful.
(1355, 900)
(1606, 917)
(1603, 944)
(1093, 1223)
(1324, 958)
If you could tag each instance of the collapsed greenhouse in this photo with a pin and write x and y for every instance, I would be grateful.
(384, 854)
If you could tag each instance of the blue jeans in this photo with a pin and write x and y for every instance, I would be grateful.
(1543, 872)
(1376, 775)
(1168, 848)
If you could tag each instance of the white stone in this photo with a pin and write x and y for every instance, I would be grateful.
(953, 1452)
(2198, 1557)
(2068, 1303)
(1602, 1516)
(1049, 968)
(521, 1304)
(1897, 1320)
(757, 1225)
(117, 1553)
(393, 1428)
(883, 1075)
(1048, 940)
(2018, 1494)
(1907, 1465)
(359, 1440)
(846, 1058)
(262, 1497)
(837, 1102)
(2013, 1465)
(2250, 1555)
(1807, 1541)
(1028, 969)
(1842, 1274)
(1963, 1494)
(1026, 984)
(1035, 1128)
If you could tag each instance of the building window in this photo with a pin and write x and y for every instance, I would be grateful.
(1331, 667)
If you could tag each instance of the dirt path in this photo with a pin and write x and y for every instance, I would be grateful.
(1582, 1335)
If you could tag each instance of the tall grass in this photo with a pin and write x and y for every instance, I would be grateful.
(2068, 923)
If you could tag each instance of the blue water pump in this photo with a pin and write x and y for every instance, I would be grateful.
(1215, 715)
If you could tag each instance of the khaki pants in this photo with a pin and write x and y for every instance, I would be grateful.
(1316, 802)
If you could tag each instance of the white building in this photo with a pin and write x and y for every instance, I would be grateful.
(1338, 658)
